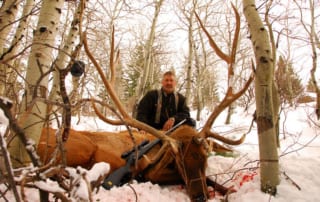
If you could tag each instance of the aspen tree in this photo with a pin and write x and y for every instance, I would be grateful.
(147, 71)
(36, 83)
(15, 46)
(265, 113)
(8, 13)
(63, 56)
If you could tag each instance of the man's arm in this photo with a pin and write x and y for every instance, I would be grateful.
(145, 107)
(183, 111)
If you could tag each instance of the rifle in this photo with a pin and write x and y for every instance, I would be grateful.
(124, 174)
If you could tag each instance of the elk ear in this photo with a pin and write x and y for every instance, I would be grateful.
(201, 141)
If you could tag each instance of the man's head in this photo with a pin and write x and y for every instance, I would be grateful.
(168, 82)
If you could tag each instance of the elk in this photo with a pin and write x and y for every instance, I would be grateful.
(180, 158)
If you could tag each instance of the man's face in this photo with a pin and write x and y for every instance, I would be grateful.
(168, 83)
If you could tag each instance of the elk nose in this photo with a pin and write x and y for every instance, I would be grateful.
(200, 198)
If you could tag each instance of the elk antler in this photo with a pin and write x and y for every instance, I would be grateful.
(128, 120)
(230, 96)
(225, 140)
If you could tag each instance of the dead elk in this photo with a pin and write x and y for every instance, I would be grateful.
(160, 165)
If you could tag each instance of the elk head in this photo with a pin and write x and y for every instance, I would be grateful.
(191, 163)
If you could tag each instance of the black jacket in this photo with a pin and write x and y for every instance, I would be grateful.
(148, 106)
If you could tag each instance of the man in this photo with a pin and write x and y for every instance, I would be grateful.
(164, 108)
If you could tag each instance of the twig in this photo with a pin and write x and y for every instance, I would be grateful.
(30, 148)
(8, 168)
(88, 183)
(291, 180)
(134, 191)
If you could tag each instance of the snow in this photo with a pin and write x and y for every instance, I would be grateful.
(299, 164)
(49, 185)
(3, 119)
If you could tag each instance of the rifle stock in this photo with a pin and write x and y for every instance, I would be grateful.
(124, 174)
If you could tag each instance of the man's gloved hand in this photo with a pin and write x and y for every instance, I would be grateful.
(168, 124)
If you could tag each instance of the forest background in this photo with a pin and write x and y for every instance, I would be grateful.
(150, 37)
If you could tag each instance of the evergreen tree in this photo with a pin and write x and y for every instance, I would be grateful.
(310, 86)
(132, 72)
(288, 81)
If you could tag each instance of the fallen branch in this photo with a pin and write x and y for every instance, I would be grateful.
(291, 180)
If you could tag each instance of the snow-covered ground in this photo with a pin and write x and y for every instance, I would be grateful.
(299, 163)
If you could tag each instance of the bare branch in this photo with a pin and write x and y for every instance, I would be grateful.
(230, 97)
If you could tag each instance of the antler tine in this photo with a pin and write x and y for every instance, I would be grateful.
(230, 97)
(103, 118)
(226, 140)
(108, 86)
(125, 116)
(220, 53)
(213, 44)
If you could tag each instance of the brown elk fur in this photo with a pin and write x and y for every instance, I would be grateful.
(84, 148)
(79, 149)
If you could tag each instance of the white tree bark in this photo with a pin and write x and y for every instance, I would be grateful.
(63, 56)
(314, 43)
(8, 13)
(39, 63)
(9, 59)
(269, 160)
(141, 88)
(190, 57)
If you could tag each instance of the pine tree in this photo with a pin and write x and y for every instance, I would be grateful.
(289, 84)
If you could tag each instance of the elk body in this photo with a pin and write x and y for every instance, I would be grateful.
(85, 148)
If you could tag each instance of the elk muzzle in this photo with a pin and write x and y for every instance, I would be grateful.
(191, 163)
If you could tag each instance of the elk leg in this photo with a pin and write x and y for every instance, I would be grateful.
(220, 188)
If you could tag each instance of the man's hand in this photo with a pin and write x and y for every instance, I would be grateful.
(168, 124)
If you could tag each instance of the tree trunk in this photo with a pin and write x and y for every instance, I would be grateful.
(229, 114)
(8, 12)
(141, 88)
(198, 92)
(269, 160)
(63, 56)
(201, 74)
(275, 91)
(190, 58)
(314, 41)
(11, 64)
(39, 63)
